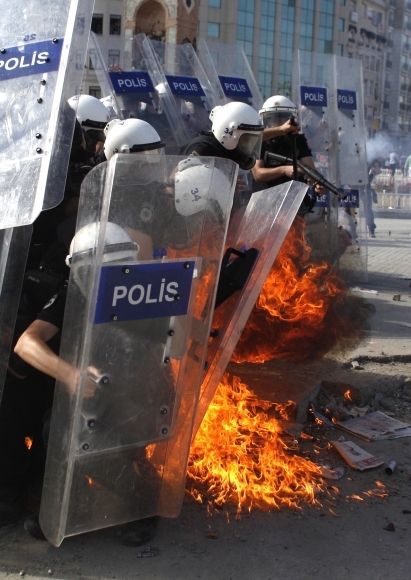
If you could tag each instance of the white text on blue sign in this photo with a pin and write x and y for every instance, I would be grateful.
(144, 291)
(30, 59)
(347, 99)
(313, 96)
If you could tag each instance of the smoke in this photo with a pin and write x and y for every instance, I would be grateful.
(378, 146)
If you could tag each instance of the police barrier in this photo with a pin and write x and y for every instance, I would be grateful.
(230, 74)
(262, 230)
(137, 321)
(189, 86)
(329, 90)
(38, 73)
(97, 62)
(138, 92)
(37, 76)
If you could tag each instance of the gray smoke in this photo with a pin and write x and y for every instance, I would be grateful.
(378, 146)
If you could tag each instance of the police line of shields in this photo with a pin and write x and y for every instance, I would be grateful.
(37, 76)
(252, 247)
(329, 89)
(143, 279)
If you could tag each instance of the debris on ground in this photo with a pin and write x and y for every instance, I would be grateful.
(355, 456)
(376, 426)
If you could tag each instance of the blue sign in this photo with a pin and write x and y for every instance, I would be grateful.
(352, 199)
(135, 81)
(235, 87)
(313, 96)
(29, 59)
(143, 291)
(185, 86)
(323, 200)
(346, 99)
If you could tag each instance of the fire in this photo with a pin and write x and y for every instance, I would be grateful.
(348, 397)
(29, 442)
(303, 309)
(238, 456)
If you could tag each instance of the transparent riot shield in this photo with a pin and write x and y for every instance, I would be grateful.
(230, 74)
(37, 76)
(137, 321)
(256, 241)
(313, 78)
(133, 89)
(190, 88)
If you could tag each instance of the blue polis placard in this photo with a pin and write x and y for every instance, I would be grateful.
(235, 87)
(323, 200)
(29, 59)
(352, 199)
(135, 81)
(346, 99)
(185, 86)
(143, 291)
(313, 96)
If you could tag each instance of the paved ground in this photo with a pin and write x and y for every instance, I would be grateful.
(343, 539)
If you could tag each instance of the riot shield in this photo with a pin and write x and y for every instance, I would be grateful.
(37, 75)
(256, 240)
(190, 88)
(137, 320)
(230, 74)
(136, 91)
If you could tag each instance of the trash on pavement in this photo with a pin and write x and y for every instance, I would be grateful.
(356, 457)
(376, 427)
(365, 290)
(389, 470)
(336, 473)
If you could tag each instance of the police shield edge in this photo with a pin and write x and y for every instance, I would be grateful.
(263, 228)
(122, 426)
(190, 88)
(37, 76)
(230, 74)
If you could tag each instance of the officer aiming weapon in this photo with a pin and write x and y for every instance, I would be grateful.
(274, 160)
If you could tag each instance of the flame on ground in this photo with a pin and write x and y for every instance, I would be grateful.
(238, 456)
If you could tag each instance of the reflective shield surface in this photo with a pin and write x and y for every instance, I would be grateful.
(38, 74)
(263, 228)
(230, 74)
(137, 321)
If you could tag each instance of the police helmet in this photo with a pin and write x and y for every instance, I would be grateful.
(237, 126)
(277, 110)
(133, 136)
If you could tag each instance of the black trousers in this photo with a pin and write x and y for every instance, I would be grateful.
(22, 411)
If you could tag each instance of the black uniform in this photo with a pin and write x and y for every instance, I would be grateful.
(283, 146)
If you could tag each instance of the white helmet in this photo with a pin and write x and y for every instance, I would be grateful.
(133, 136)
(238, 126)
(118, 247)
(277, 110)
(90, 112)
(196, 183)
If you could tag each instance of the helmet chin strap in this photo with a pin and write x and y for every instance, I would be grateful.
(245, 161)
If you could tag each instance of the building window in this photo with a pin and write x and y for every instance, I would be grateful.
(95, 92)
(113, 57)
(214, 3)
(94, 63)
(213, 29)
(325, 29)
(342, 2)
(97, 24)
(341, 24)
(79, 59)
(115, 24)
(245, 25)
(340, 49)
(265, 50)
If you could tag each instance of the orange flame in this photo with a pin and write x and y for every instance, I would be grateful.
(237, 456)
(300, 313)
(347, 396)
(28, 442)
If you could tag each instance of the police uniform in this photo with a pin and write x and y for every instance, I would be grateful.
(206, 145)
(283, 146)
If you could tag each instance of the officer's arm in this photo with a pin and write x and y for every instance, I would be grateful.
(264, 174)
(32, 347)
(285, 129)
(320, 189)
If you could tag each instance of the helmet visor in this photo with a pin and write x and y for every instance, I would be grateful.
(274, 119)
(250, 144)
